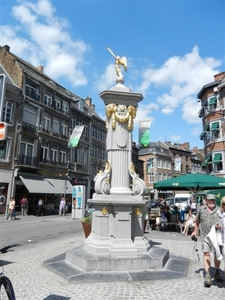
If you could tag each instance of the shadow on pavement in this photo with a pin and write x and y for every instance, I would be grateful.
(56, 297)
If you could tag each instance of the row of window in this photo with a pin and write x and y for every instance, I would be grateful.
(152, 167)
(32, 90)
(98, 152)
(158, 177)
(161, 163)
(51, 123)
(50, 153)
(211, 132)
(98, 134)
(214, 163)
(209, 105)
(7, 112)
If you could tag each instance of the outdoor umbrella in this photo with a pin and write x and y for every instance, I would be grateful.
(192, 182)
(219, 193)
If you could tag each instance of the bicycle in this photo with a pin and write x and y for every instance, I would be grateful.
(8, 291)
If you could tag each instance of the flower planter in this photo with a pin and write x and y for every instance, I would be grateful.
(86, 228)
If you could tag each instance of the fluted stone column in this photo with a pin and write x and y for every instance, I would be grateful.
(117, 226)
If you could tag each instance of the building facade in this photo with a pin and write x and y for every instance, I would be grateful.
(164, 160)
(35, 159)
(212, 98)
(157, 166)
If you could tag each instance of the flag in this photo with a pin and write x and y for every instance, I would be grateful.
(144, 133)
(75, 136)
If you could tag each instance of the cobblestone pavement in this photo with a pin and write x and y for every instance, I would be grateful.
(32, 280)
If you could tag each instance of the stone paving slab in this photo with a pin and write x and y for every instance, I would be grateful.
(31, 280)
(160, 266)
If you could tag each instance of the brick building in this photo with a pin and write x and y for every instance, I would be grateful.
(212, 98)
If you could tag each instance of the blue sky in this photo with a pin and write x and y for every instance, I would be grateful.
(173, 48)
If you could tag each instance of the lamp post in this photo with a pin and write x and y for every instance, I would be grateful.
(155, 173)
(65, 188)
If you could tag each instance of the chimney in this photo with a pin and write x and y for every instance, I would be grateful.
(93, 107)
(186, 145)
(40, 69)
(195, 149)
(88, 100)
(7, 48)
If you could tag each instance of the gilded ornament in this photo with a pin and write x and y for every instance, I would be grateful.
(104, 211)
(119, 61)
(120, 113)
(137, 211)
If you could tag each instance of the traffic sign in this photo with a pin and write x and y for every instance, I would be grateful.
(3, 131)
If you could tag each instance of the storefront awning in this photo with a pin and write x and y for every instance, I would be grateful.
(202, 135)
(46, 185)
(60, 186)
(37, 185)
(217, 157)
(204, 132)
(207, 159)
(212, 100)
(215, 126)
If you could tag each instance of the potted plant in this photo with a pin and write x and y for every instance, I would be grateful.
(86, 223)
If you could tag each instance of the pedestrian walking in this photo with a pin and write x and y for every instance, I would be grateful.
(40, 207)
(207, 216)
(23, 205)
(221, 227)
(62, 207)
(12, 206)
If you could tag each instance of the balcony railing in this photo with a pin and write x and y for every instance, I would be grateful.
(28, 128)
(32, 94)
(27, 160)
(48, 104)
(53, 162)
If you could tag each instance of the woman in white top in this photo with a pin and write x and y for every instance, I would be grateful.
(221, 213)
(189, 223)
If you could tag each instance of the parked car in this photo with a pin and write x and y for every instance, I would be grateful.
(154, 203)
(184, 200)
(169, 201)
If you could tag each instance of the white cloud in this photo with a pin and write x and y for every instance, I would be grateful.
(144, 113)
(180, 78)
(175, 138)
(197, 130)
(43, 39)
(107, 79)
(190, 110)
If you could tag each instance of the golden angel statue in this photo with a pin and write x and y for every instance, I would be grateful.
(120, 61)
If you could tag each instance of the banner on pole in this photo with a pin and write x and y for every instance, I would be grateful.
(144, 133)
(75, 136)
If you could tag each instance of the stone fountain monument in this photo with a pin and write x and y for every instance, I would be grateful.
(117, 226)
(117, 248)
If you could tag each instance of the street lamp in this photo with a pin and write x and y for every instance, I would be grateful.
(155, 173)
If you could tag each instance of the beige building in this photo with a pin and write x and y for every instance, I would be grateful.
(40, 115)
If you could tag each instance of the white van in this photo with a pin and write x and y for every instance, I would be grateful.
(185, 199)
